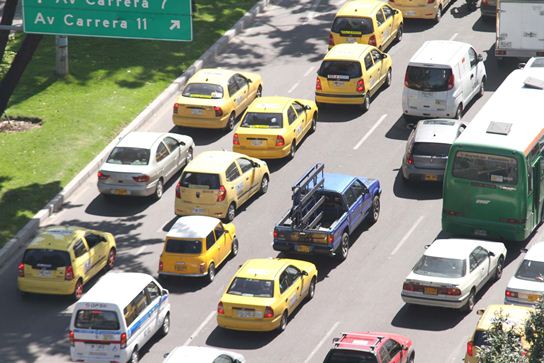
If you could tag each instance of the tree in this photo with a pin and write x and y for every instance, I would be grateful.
(534, 333)
(8, 13)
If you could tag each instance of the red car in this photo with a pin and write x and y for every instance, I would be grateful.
(371, 348)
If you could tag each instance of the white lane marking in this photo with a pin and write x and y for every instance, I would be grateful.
(407, 235)
(141, 249)
(321, 342)
(312, 13)
(367, 135)
(200, 327)
(293, 87)
(310, 70)
(453, 36)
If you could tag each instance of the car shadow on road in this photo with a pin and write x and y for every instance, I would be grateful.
(401, 129)
(462, 10)
(497, 72)
(427, 318)
(338, 113)
(484, 24)
(417, 25)
(200, 137)
(419, 190)
(231, 339)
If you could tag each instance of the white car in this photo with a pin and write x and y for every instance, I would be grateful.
(186, 354)
(452, 271)
(527, 285)
(143, 162)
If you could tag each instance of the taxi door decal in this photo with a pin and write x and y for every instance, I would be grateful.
(239, 187)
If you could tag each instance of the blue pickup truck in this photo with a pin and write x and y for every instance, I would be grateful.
(326, 209)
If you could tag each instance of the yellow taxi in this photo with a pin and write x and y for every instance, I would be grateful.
(421, 9)
(216, 183)
(196, 245)
(61, 259)
(370, 22)
(273, 127)
(213, 98)
(352, 74)
(516, 317)
(264, 292)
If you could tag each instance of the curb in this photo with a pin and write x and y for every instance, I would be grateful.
(30, 229)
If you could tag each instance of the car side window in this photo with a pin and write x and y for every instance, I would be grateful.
(291, 115)
(232, 172)
(284, 282)
(380, 18)
(388, 12)
(481, 254)
(232, 86)
(384, 355)
(152, 291)
(93, 239)
(223, 358)
(473, 260)
(350, 197)
(219, 231)
(210, 240)
(162, 152)
(299, 108)
(358, 189)
(135, 307)
(245, 164)
(368, 61)
(241, 81)
(393, 348)
(293, 273)
(376, 56)
(473, 57)
(171, 143)
(79, 248)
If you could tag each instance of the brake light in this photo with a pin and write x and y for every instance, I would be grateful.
(102, 176)
(360, 86)
(220, 309)
(485, 2)
(222, 194)
(318, 84)
(330, 238)
(141, 178)
(275, 233)
(406, 79)
(451, 81)
(509, 293)
(176, 107)
(372, 40)
(470, 349)
(71, 338)
(450, 291)
(331, 40)
(161, 266)
(69, 273)
(410, 159)
(123, 340)
(21, 269)
(280, 141)
(218, 111)
(178, 190)
(408, 286)
(268, 312)
(430, 1)
(235, 140)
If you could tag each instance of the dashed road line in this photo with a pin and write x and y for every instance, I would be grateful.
(199, 329)
(322, 341)
(454, 36)
(367, 135)
(141, 250)
(407, 235)
(310, 70)
(293, 87)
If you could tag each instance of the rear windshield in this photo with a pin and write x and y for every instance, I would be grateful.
(538, 62)
(183, 246)
(440, 267)
(97, 319)
(263, 120)
(348, 26)
(340, 70)
(38, 258)
(427, 79)
(251, 287)
(485, 168)
(200, 180)
(350, 356)
(480, 338)
(203, 90)
(531, 271)
(431, 149)
(129, 156)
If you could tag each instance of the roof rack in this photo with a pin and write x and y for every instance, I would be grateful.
(338, 341)
(306, 200)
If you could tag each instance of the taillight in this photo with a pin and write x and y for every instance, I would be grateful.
(360, 86)
(268, 312)
(71, 338)
(176, 107)
(275, 233)
(69, 273)
(430, 2)
(408, 286)
(178, 190)
(451, 81)
(218, 111)
(235, 139)
(372, 40)
(102, 176)
(331, 40)
(410, 159)
(280, 141)
(161, 266)
(318, 84)
(485, 2)
(330, 238)
(470, 349)
(509, 293)
(21, 269)
(141, 178)
(220, 309)
(123, 340)
(391, 1)
(222, 194)
(450, 291)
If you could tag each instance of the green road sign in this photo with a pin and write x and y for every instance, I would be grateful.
(139, 19)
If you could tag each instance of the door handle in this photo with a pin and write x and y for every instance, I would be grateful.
(247, 178)
(471, 76)
(298, 288)
(231, 187)
(285, 300)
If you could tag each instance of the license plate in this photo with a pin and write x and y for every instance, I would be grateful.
(427, 94)
(480, 232)
(98, 353)
(339, 83)
(430, 291)
(119, 191)
(245, 314)
(533, 297)
(302, 248)
(45, 273)
(431, 177)
(180, 266)
(196, 111)
(198, 210)
(256, 142)
(351, 40)
(410, 13)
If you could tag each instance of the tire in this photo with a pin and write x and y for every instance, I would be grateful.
(135, 356)
(365, 106)
(231, 122)
(111, 259)
(165, 327)
(234, 247)
(283, 322)
(482, 89)
(459, 112)
(159, 190)
(314, 124)
(211, 272)
(78, 290)
(259, 92)
(438, 15)
(375, 212)
(412, 358)
(264, 184)
(231, 212)
(498, 270)
(471, 301)
(343, 248)
(292, 150)
(311, 291)
(398, 38)
(388, 78)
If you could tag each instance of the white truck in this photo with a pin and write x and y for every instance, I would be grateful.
(520, 29)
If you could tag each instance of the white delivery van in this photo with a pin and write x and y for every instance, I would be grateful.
(442, 77)
(117, 317)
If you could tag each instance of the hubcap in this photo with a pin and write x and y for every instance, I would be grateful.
(283, 321)
(134, 358)
(367, 102)
(211, 272)
(166, 324)
(231, 212)
(293, 150)
(79, 290)
(264, 185)
(259, 92)
(376, 209)
(344, 247)
(111, 258)
(159, 189)
(234, 248)
(312, 289)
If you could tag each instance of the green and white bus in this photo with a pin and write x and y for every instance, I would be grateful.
(494, 179)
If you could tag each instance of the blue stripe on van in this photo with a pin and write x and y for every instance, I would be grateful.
(135, 326)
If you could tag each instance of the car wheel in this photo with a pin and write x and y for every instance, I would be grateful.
(311, 291)
(135, 356)
(399, 34)
(438, 15)
(470, 302)
(78, 290)
(234, 247)
(388, 78)
(314, 124)
(259, 92)
(111, 259)
(499, 268)
(412, 358)
(264, 184)
(343, 248)
(482, 88)
(165, 327)
(159, 189)
(459, 112)
(293, 150)
(231, 212)
(230, 123)
(211, 272)
(375, 212)
(366, 103)
(283, 322)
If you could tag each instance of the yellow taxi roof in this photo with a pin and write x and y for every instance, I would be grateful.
(359, 8)
(270, 104)
(56, 237)
(212, 75)
(212, 161)
(516, 315)
(347, 51)
(261, 268)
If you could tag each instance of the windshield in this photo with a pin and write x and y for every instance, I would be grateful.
(485, 168)
(427, 79)
(352, 26)
(46, 259)
(251, 287)
(480, 339)
(440, 267)
(129, 156)
(431, 149)
(340, 70)
(97, 319)
(203, 90)
(531, 271)
(263, 120)
(349, 356)
(199, 180)
(183, 246)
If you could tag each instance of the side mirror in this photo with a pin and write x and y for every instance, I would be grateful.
(480, 58)
(524, 250)
(248, 80)
(165, 355)
(404, 347)
(307, 107)
(490, 253)
(384, 55)
(411, 126)
(304, 273)
(426, 246)
(335, 340)
(480, 312)
(181, 143)
(521, 65)
(164, 292)
(256, 164)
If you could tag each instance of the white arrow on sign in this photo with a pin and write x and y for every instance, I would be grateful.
(175, 24)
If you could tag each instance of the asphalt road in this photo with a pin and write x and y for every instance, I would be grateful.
(286, 45)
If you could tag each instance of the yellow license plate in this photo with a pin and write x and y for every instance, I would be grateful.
(303, 248)
(534, 297)
(430, 291)
(179, 266)
(431, 177)
(119, 191)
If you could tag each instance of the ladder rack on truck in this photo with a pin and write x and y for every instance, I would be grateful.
(306, 200)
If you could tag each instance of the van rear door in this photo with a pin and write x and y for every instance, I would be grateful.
(427, 87)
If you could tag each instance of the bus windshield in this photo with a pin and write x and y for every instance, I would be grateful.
(485, 168)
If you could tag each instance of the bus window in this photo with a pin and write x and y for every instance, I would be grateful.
(485, 168)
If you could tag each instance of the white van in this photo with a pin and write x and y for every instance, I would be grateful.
(117, 317)
(443, 76)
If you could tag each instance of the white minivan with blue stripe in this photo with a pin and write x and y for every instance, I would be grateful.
(112, 321)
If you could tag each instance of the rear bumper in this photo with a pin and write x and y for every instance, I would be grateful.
(291, 247)
(412, 173)
(248, 325)
(517, 53)
(187, 209)
(214, 123)
(342, 99)
(523, 302)
(179, 274)
(418, 12)
(483, 229)
(40, 286)
(428, 113)
(434, 301)
(119, 356)
(132, 190)
(275, 153)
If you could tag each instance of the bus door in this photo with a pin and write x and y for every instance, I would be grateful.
(538, 184)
